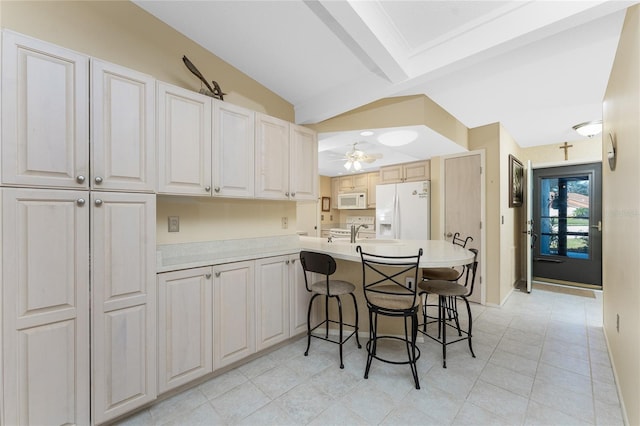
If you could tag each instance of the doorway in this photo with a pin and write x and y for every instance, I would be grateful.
(567, 214)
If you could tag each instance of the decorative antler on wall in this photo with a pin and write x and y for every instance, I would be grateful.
(215, 91)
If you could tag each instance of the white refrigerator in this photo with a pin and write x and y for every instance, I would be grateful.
(402, 210)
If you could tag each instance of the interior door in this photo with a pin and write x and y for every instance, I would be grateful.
(530, 240)
(463, 206)
(567, 217)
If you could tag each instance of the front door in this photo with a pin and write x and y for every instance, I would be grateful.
(567, 221)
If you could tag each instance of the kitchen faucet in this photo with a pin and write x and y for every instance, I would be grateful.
(355, 230)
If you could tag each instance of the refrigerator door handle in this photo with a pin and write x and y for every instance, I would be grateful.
(396, 217)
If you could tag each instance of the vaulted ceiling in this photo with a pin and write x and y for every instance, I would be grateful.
(537, 67)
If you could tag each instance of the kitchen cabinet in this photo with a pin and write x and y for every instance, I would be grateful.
(123, 264)
(372, 181)
(233, 150)
(272, 300)
(335, 190)
(234, 312)
(407, 172)
(123, 154)
(353, 183)
(185, 322)
(299, 297)
(286, 160)
(303, 163)
(184, 141)
(45, 306)
(45, 114)
(272, 157)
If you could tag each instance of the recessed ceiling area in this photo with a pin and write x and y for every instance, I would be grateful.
(334, 146)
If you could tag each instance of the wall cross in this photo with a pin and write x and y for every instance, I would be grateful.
(566, 149)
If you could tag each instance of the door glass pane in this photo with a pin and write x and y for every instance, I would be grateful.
(564, 216)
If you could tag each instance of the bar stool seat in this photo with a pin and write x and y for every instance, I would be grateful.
(336, 287)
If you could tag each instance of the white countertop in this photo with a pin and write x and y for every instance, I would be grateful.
(171, 257)
(435, 253)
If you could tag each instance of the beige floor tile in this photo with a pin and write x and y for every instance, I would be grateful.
(304, 402)
(178, 405)
(472, 415)
(507, 379)
(542, 415)
(239, 402)
(223, 383)
(277, 381)
(499, 401)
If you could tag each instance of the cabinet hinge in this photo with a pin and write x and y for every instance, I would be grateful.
(480, 225)
(480, 169)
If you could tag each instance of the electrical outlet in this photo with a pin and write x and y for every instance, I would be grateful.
(409, 282)
(285, 222)
(618, 323)
(174, 224)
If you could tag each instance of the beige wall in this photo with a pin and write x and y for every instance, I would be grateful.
(621, 217)
(586, 150)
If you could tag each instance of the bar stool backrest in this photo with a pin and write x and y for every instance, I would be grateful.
(319, 263)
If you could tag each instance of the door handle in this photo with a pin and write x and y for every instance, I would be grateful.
(448, 235)
(598, 226)
(542, 259)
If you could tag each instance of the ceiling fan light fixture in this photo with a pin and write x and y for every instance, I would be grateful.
(398, 137)
(589, 129)
(356, 165)
(348, 164)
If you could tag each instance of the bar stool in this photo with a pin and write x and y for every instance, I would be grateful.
(452, 291)
(386, 294)
(324, 264)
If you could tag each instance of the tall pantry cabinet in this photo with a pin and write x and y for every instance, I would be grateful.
(78, 292)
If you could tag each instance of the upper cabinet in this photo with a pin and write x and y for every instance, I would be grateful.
(354, 183)
(372, 182)
(233, 150)
(304, 163)
(184, 141)
(407, 172)
(123, 155)
(272, 157)
(45, 114)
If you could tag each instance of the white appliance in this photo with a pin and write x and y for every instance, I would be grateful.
(352, 200)
(403, 210)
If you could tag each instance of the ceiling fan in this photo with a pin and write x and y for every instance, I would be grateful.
(355, 158)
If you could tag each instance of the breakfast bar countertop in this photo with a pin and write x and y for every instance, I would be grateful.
(435, 253)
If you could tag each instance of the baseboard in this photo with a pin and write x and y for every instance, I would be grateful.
(625, 417)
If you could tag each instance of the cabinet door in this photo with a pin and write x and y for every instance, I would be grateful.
(360, 182)
(184, 141)
(391, 174)
(233, 148)
(299, 297)
(417, 171)
(272, 301)
(185, 321)
(45, 114)
(233, 312)
(335, 190)
(346, 183)
(304, 163)
(372, 182)
(45, 306)
(123, 155)
(123, 295)
(272, 157)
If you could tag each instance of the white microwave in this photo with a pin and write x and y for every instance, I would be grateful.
(352, 200)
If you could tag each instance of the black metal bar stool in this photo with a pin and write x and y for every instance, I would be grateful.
(321, 263)
(386, 294)
(449, 292)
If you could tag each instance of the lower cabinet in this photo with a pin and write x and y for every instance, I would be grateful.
(299, 298)
(45, 307)
(234, 312)
(272, 300)
(185, 326)
(123, 312)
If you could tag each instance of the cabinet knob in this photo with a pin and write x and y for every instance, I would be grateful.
(207, 188)
(98, 180)
(98, 202)
(80, 201)
(217, 189)
(207, 276)
(286, 194)
(80, 179)
(293, 261)
(286, 262)
(293, 194)
(217, 274)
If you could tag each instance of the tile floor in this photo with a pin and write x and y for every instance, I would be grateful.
(541, 360)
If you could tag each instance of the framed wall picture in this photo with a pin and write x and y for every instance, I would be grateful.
(326, 204)
(516, 183)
